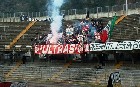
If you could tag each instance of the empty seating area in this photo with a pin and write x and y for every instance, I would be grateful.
(80, 74)
(76, 72)
(127, 29)
(36, 71)
(9, 31)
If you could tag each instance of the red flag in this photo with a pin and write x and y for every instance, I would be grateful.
(104, 36)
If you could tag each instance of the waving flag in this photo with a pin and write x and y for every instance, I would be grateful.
(104, 36)
(112, 25)
(107, 31)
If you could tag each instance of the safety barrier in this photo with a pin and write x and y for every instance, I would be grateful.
(61, 71)
(13, 69)
(21, 34)
(120, 19)
(97, 12)
(82, 73)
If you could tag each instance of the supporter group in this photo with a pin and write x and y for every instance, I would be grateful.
(84, 31)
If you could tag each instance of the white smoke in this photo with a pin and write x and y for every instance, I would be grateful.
(56, 24)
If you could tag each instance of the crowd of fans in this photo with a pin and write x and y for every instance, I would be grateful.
(27, 18)
(84, 31)
(87, 31)
(81, 32)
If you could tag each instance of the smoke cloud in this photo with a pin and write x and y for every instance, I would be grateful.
(54, 13)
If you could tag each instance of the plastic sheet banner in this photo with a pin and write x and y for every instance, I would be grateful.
(125, 45)
(59, 49)
(5, 84)
(80, 48)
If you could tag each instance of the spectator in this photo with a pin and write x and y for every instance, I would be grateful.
(63, 16)
(1, 36)
(92, 31)
(11, 58)
(110, 81)
(26, 18)
(29, 19)
(24, 59)
(21, 18)
(87, 16)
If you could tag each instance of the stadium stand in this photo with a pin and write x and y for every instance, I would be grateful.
(20, 34)
(14, 28)
(76, 72)
(127, 29)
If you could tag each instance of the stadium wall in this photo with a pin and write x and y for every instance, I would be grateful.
(78, 16)
(102, 14)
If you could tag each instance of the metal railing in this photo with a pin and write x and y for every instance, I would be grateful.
(95, 10)
(129, 78)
